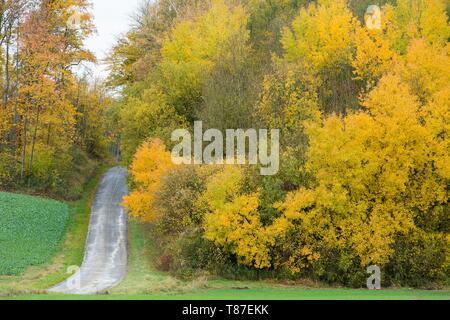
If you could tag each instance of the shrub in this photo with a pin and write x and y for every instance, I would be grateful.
(175, 201)
(420, 259)
(178, 220)
(151, 162)
(193, 254)
(9, 170)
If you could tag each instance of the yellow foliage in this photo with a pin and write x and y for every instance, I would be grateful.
(151, 162)
(412, 32)
(426, 69)
(374, 56)
(233, 220)
(148, 115)
(414, 19)
(376, 171)
(193, 46)
(284, 102)
(199, 40)
(322, 35)
(222, 186)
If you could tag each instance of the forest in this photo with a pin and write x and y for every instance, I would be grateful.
(51, 128)
(363, 113)
(364, 118)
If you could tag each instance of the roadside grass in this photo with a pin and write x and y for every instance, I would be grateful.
(142, 276)
(261, 294)
(39, 278)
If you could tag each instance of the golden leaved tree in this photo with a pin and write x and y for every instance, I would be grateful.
(189, 53)
(233, 220)
(376, 171)
(151, 162)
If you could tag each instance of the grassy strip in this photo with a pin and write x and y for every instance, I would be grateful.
(37, 279)
(265, 294)
(142, 276)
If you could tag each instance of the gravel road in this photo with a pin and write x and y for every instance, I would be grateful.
(105, 260)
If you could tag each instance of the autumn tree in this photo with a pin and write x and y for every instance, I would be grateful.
(322, 41)
(47, 114)
(137, 54)
(11, 15)
(231, 86)
(377, 171)
(48, 53)
(412, 19)
(189, 53)
(151, 162)
(149, 116)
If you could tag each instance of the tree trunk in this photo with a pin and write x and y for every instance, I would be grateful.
(49, 128)
(6, 92)
(24, 150)
(15, 115)
(33, 144)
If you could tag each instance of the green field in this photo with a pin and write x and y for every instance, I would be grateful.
(31, 230)
(69, 253)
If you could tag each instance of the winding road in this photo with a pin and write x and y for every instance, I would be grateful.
(105, 260)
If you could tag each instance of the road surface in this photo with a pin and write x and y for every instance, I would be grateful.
(105, 260)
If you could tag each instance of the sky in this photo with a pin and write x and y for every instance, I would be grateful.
(112, 18)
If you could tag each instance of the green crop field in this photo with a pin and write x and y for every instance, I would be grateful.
(31, 230)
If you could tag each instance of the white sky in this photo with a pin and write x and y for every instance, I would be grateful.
(112, 18)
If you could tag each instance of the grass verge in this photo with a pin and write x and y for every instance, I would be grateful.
(263, 294)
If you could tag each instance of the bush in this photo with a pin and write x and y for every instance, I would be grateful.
(178, 221)
(192, 254)
(175, 201)
(9, 170)
(420, 260)
(339, 267)
(151, 163)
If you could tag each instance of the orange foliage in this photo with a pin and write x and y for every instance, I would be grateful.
(151, 162)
